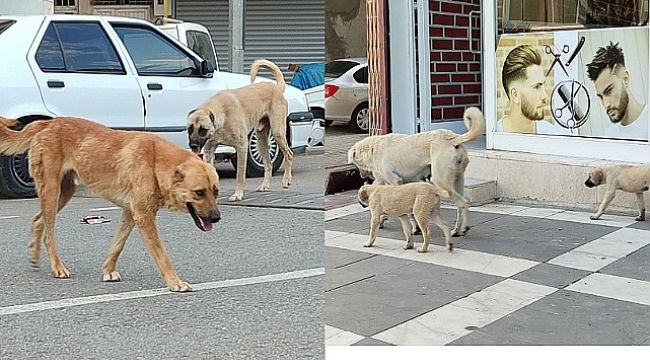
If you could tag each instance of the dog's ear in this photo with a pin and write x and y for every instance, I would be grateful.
(363, 194)
(191, 112)
(211, 115)
(179, 175)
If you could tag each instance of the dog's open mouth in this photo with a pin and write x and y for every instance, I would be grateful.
(201, 222)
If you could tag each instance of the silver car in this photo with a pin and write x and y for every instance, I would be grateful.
(346, 93)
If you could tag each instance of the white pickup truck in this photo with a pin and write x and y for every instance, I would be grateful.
(124, 73)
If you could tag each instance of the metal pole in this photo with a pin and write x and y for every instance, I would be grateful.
(236, 13)
(165, 11)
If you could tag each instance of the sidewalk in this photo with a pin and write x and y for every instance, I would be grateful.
(520, 276)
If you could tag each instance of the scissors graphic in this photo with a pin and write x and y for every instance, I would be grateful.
(549, 50)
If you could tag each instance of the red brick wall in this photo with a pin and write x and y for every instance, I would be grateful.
(455, 70)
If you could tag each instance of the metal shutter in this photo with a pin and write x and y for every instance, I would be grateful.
(212, 14)
(283, 31)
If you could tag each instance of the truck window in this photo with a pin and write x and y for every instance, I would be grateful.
(153, 54)
(77, 47)
(201, 44)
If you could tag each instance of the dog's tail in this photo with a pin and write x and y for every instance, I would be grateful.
(279, 77)
(475, 123)
(17, 142)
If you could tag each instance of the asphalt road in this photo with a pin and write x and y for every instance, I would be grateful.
(258, 279)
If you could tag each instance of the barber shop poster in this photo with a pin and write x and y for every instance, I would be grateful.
(588, 83)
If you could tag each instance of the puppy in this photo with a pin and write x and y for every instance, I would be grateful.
(229, 117)
(418, 199)
(629, 178)
(440, 155)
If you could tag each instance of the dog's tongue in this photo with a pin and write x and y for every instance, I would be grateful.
(206, 225)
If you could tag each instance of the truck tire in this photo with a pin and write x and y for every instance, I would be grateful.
(254, 162)
(15, 181)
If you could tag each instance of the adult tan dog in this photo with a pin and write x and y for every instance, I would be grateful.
(419, 199)
(229, 116)
(440, 155)
(138, 172)
(629, 178)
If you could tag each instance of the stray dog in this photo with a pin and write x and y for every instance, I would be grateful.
(418, 199)
(629, 178)
(229, 116)
(440, 155)
(139, 172)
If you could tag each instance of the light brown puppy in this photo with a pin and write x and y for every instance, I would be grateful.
(139, 172)
(229, 116)
(440, 155)
(418, 199)
(629, 178)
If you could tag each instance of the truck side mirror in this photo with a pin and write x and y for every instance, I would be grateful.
(207, 69)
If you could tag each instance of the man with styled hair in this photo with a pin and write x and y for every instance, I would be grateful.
(612, 82)
(523, 81)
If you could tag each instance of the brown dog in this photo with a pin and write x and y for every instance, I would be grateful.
(138, 172)
(229, 116)
(440, 155)
(629, 178)
(419, 199)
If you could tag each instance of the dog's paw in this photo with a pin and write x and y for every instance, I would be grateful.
(60, 272)
(179, 286)
(422, 250)
(640, 218)
(113, 276)
(263, 188)
(367, 245)
(450, 247)
(34, 257)
(594, 217)
(408, 246)
(235, 197)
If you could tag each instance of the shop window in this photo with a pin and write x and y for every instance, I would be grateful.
(534, 15)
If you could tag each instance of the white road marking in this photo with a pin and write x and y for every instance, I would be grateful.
(338, 337)
(64, 303)
(457, 319)
(107, 208)
(615, 287)
(470, 260)
(598, 253)
(9, 217)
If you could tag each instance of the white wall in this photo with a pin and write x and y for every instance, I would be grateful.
(24, 7)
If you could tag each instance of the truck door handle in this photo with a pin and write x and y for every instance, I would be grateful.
(154, 86)
(55, 84)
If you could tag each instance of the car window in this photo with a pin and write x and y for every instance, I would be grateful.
(153, 54)
(361, 75)
(5, 24)
(334, 69)
(77, 47)
(200, 43)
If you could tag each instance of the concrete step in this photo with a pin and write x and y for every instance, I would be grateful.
(479, 191)
(346, 177)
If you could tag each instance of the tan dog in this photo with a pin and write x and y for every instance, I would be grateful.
(440, 155)
(629, 178)
(138, 172)
(229, 116)
(419, 199)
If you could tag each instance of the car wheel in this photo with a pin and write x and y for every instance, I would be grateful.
(360, 120)
(15, 181)
(254, 162)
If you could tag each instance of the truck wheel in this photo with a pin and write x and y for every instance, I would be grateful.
(254, 163)
(15, 181)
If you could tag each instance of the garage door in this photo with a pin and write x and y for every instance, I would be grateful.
(283, 31)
